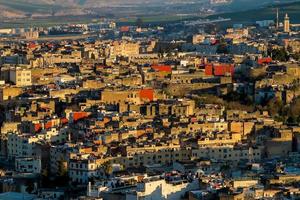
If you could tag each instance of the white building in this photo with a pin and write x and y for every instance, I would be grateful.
(83, 167)
(64, 79)
(54, 135)
(51, 193)
(149, 189)
(28, 165)
(22, 145)
(159, 189)
(6, 31)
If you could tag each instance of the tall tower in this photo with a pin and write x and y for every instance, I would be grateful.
(286, 24)
(277, 19)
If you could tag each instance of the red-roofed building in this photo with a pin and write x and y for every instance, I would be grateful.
(50, 45)
(125, 29)
(48, 125)
(223, 69)
(64, 121)
(262, 61)
(147, 94)
(193, 119)
(79, 115)
(162, 68)
(219, 69)
(209, 70)
(31, 45)
(37, 127)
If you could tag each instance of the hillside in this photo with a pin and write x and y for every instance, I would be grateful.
(269, 13)
(40, 8)
(78, 7)
(15, 13)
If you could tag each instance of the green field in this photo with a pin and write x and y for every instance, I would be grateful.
(156, 19)
(269, 13)
(27, 7)
(45, 22)
(52, 21)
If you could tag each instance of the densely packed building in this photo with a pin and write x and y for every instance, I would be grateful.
(152, 114)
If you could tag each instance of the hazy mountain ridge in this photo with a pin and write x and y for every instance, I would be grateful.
(44, 8)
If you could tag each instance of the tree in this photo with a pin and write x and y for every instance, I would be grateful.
(30, 187)
(161, 52)
(62, 178)
(289, 49)
(296, 56)
(93, 57)
(211, 28)
(222, 47)
(275, 107)
(139, 22)
(280, 55)
(62, 169)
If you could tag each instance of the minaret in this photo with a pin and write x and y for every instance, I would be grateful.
(286, 23)
(277, 19)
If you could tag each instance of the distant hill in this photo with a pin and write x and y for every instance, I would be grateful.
(42, 5)
(21, 9)
(38, 8)
(267, 13)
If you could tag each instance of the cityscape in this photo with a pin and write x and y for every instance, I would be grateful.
(149, 100)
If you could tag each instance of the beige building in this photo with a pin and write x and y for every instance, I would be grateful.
(199, 38)
(150, 155)
(232, 196)
(57, 58)
(7, 93)
(20, 77)
(31, 35)
(244, 182)
(127, 49)
(228, 153)
(281, 145)
(286, 28)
